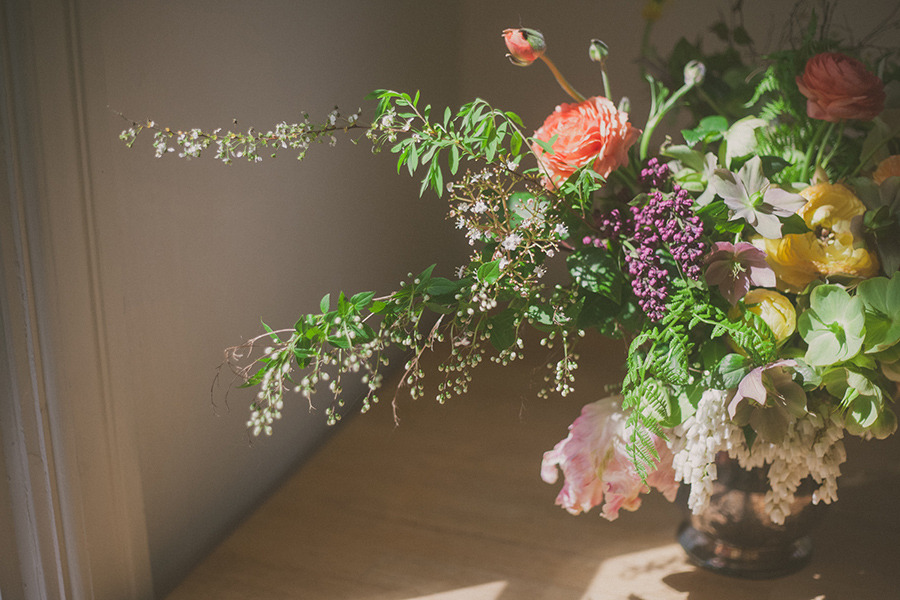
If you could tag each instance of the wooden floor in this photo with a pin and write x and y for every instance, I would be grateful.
(450, 506)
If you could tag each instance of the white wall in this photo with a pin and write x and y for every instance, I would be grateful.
(195, 253)
(139, 271)
(147, 269)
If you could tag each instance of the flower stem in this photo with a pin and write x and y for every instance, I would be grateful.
(812, 146)
(607, 91)
(834, 146)
(657, 115)
(823, 144)
(565, 85)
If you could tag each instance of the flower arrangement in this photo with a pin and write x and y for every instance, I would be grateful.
(750, 262)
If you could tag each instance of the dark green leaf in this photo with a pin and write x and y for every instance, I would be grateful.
(595, 269)
(503, 329)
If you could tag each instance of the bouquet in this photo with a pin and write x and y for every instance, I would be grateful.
(750, 261)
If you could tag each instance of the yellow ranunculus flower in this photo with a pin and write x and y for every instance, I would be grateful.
(831, 249)
(774, 309)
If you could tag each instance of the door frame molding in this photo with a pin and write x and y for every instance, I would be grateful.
(73, 480)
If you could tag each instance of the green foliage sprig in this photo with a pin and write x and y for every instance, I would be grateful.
(473, 157)
(669, 356)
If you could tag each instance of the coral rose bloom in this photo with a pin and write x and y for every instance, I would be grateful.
(592, 133)
(832, 249)
(839, 87)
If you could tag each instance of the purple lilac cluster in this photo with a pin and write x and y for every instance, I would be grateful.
(678, 226)
(655, 174)
(666, 220)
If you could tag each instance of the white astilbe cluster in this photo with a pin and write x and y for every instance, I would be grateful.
(813, 447)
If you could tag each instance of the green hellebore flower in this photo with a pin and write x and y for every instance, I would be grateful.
(833, 327)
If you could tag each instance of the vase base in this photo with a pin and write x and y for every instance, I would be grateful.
(764, 562)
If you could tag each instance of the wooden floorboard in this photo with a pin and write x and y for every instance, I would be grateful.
(450, 506)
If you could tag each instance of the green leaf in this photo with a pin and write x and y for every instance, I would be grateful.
(708, 130)
(731, 370)
(595, 269)
(325, 303)
(401, 160)
(441, 286)
(515, 143)
(412, 162)
(514, 118)
(454, 159)
(436, 177)
(690, 158)
(881, 298)
(503, 329)
(426, 274)
(489, 272)
(541, 316)
(338, 342)
(361, 299)
(794, 224)
(546, 146)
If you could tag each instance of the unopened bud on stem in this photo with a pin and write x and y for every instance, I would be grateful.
(694, 73)
(525, 45)
(598, 51)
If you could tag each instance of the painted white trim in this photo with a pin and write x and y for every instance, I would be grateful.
(75, 486)
(24, 419)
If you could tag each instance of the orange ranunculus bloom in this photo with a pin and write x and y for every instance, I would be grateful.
(838, 87)
(832, 249)
(889, 167)
(593, 132)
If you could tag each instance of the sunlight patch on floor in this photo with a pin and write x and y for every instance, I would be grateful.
(638, 575)
(486, 591)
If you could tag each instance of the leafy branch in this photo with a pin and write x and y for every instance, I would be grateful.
(664, 357)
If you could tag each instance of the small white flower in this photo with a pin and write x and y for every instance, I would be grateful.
(512, 241)
(479, 207)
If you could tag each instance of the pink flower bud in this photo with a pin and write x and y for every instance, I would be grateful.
(525, 45)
